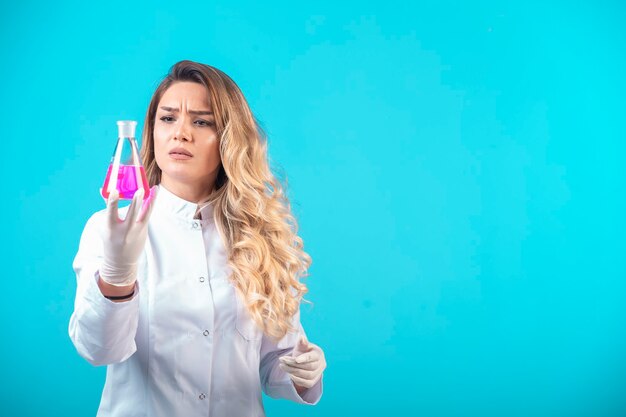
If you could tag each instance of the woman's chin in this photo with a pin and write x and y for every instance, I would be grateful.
(178, 174)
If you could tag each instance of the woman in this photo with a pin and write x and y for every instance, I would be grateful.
(192, 301)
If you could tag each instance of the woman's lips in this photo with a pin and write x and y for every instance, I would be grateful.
(179, 156)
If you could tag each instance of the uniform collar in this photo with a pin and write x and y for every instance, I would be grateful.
(181, 208)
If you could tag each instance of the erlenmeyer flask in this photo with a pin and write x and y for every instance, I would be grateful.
(125, 173)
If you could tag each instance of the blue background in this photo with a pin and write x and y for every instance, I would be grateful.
(458, 171)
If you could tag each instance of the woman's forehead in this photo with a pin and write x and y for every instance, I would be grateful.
(187, 94)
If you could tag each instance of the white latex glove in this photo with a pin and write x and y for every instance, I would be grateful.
(305, 365)
(124, 240)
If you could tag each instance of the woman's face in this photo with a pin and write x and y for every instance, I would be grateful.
(186, 145)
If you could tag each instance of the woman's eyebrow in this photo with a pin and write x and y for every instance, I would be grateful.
(197, 112)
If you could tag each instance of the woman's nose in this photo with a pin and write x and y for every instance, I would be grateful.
(182, 132)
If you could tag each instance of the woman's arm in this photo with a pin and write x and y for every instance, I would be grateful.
(103, 331)
(275, 382)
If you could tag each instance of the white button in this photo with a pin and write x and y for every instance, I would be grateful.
(206, 332)
(201, 279)
(195, 225)
(202, 396)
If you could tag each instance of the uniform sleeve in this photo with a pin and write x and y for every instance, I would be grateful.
(102, 331)
(276, 382)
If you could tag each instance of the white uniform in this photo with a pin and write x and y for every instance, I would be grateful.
(185, 344)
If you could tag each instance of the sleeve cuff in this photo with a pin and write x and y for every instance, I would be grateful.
(95, 296)
(311, 396)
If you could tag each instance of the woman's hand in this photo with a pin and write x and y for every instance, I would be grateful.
(305, 365)
(124, 240)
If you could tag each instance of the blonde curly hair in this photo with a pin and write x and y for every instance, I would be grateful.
(251, 210)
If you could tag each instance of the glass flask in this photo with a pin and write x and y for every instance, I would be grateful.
(125, 173)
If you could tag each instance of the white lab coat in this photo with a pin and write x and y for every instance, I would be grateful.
(184, 345)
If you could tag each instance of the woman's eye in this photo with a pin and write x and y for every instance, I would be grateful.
(168, 119)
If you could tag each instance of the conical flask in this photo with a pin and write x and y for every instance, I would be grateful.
(125, 173)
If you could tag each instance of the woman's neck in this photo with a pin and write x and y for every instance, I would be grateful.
(190, 192)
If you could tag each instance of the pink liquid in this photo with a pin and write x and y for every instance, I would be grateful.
(126, 182)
